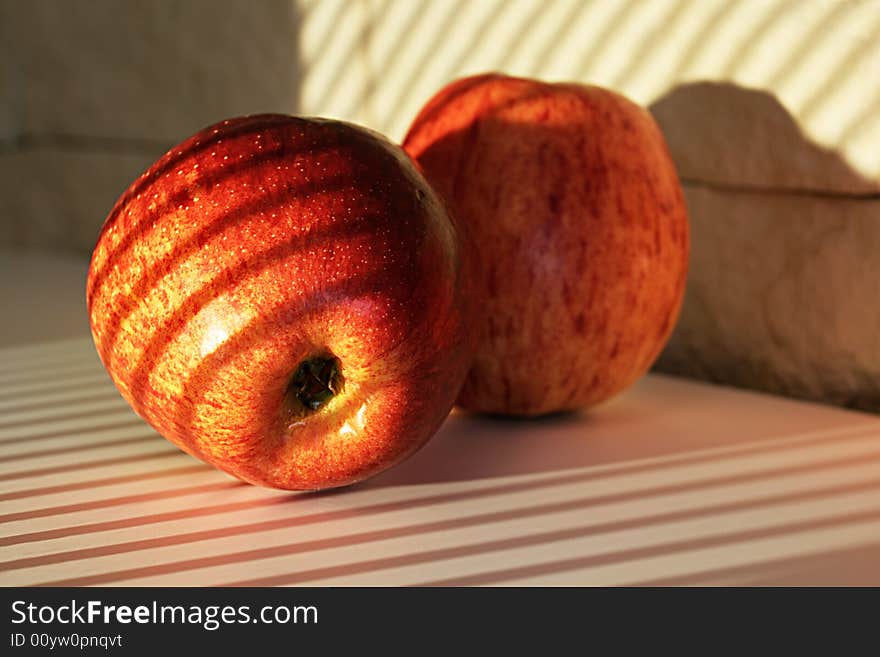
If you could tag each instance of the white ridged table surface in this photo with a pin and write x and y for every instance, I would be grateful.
(674, 482)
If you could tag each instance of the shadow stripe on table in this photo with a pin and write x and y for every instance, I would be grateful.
(555, 480)
(746, 574)
(130, 422)
(398, 532)
(35, 370)
(376, 509)
(53, 347)
(87, 397)
(152, 436)
(68, 467)
(123, 523)
(107, 481)
(114, 405)
(633, 554)
(53, 383)
(93, 505)
(429, 556)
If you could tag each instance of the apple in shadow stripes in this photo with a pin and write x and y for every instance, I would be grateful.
(286, 299)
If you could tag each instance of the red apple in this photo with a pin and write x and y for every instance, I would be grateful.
(284, 298)
(570, 195)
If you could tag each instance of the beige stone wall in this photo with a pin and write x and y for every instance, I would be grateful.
(93, 92)
(772, 113)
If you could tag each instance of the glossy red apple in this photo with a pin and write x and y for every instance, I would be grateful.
(578, 215)
(284, 298)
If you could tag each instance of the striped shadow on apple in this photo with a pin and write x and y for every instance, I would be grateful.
(285, 299)
(291, 301)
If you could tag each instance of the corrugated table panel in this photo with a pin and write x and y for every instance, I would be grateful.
(674, 482)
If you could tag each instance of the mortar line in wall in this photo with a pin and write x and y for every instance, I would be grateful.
(83, 143)
(733, 188)
(152, 147)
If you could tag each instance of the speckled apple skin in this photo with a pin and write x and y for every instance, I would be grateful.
(578, 215)
(255, 244)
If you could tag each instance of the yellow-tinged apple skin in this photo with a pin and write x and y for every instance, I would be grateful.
(577, 213)
(263, 242)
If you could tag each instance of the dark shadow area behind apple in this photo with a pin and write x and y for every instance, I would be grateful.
(93, 92)
(662, 420)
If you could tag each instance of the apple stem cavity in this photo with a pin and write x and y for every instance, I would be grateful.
(317, 380)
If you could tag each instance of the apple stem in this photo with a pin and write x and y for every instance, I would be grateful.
(317, 380)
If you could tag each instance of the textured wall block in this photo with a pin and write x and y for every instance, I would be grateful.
(782, 296)
(785, 257)
(156, 70)
(10, 97)
(57, 200)
(28, 279)
(92, 92)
